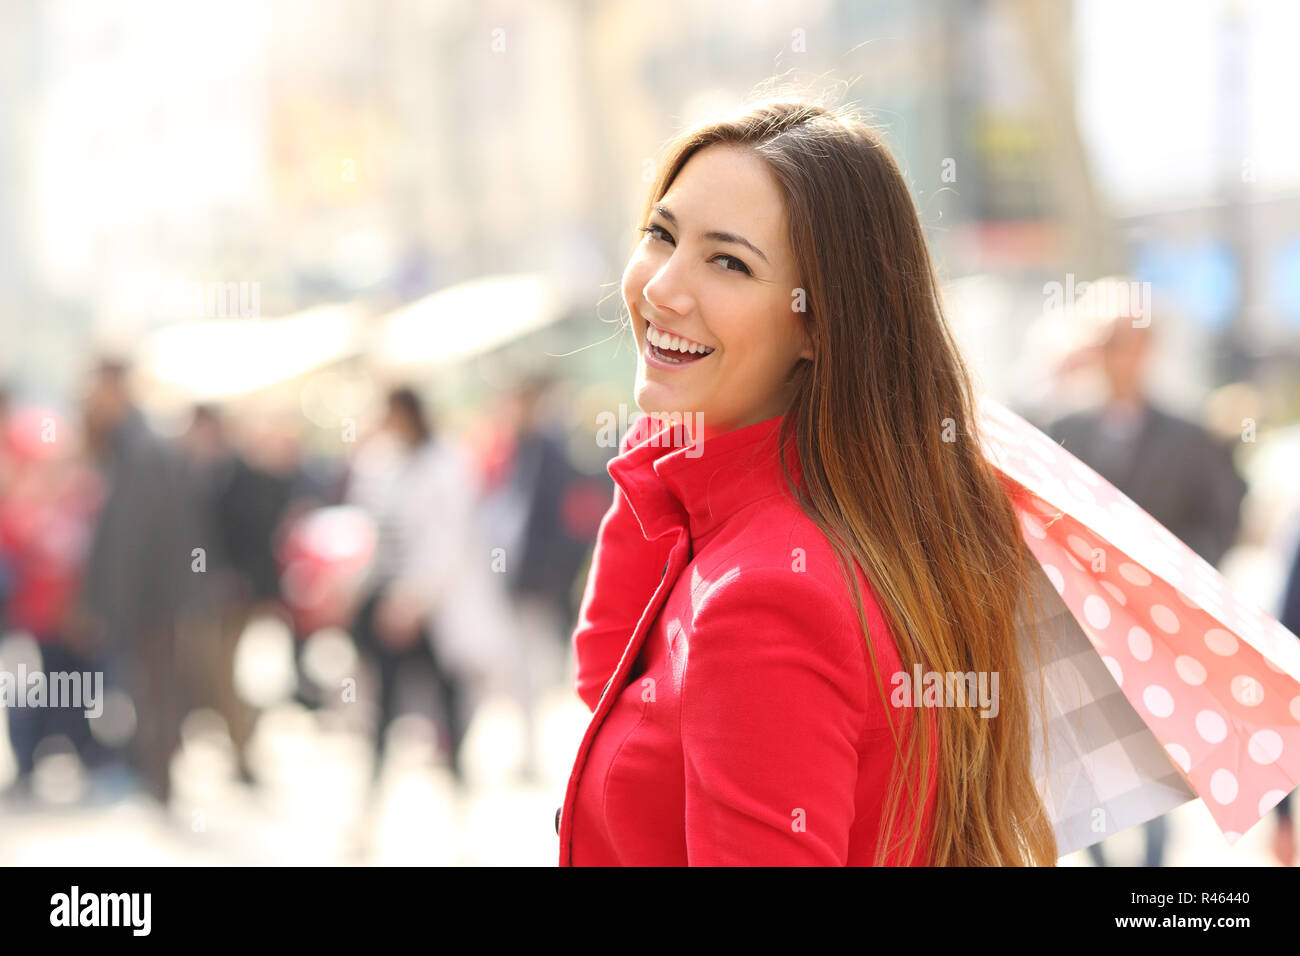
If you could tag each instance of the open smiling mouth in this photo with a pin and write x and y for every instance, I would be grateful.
(671, 350)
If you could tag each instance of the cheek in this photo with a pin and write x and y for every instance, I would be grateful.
(775, 350)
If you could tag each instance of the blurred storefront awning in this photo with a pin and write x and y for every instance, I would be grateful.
(468, 319)
(211, 361)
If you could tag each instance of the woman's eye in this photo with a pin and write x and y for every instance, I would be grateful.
(656, 232)
(659, 232)
(743, 268)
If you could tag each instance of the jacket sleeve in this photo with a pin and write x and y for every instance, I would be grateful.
(625, 570)
(772, 714)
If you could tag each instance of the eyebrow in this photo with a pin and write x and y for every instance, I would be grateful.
(714, 233)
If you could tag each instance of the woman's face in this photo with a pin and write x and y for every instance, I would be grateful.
(715, 268)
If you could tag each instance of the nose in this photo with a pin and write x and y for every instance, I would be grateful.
(666, 293)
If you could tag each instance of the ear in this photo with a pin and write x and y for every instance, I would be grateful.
(805, 348)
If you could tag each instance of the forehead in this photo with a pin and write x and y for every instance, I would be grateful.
(728, 188)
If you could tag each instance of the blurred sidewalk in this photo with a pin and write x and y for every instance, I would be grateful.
(311, 807)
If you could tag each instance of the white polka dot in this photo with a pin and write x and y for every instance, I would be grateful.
(1113, 666)
(1295, 707)
(1080, 547)
(1180, 756)
(1134, 575)
(1189, 601)
(1075, 561)
(1221, 642)
(1158, 701)
(1139, 644)
(1033, 528)
(1232, 836)
(1211, 726)
(1269, 800)
(1115, 593)
(1265, 746)
(1055, 576)
(1190, 670)
(1096, 611)
(1080, 490)
(1164, 618)
(1247, 691)
(1223, 786)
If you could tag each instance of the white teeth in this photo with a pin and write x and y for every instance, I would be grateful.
(674, 343)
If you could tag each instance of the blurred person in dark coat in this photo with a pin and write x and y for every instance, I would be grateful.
(136, 572)
(1173, 469)
(554, 530)
(234, 510)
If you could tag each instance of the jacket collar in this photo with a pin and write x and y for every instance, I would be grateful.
(673, 481)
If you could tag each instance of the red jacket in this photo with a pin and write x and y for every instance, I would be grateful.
(741, 723)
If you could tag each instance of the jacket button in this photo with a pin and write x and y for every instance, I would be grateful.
(557, 821)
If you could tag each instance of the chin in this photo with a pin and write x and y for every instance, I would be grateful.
(651, 396)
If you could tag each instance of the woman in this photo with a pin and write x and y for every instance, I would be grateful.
(808, 409)
(411, 485)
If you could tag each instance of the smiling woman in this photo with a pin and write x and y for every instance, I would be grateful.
(701, 276)
(828, 522)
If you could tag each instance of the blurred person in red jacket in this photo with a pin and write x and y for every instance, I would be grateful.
(47, 507)
(814, 448)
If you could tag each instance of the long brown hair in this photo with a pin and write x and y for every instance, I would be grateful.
(884, 420)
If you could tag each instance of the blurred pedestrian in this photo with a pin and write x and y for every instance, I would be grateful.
(404, 477)
(543, 514)
(1173, 469)
(135, 575)
(47, 507)
(234, 509)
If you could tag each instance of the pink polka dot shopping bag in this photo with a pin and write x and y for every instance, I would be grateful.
(1162, 683)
